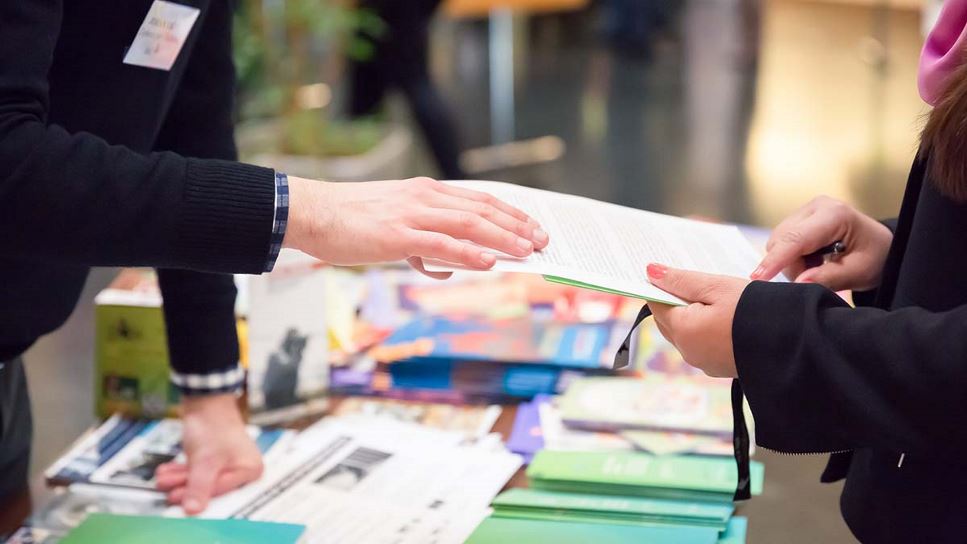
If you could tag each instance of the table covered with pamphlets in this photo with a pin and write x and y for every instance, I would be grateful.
(481, 409)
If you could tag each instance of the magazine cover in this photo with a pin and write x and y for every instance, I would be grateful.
(132, 374)
(125, 452)
(288, 338)
(131, 348)
(93, 449)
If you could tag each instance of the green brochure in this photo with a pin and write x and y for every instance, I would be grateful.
(101, 528)
(503, 530)
(639, 474)
(735, 532)
(538, 504)
(582, 285)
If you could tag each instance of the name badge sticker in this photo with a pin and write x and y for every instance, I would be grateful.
(162, 35)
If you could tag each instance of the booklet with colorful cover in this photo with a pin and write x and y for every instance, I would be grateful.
(526, 436)
(516, 340)
(125, 452)
(639, 474)
(653, 403)
(288, 337)
(517, 358)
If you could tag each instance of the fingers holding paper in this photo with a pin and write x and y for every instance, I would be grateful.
(702, 330)
(817, 224)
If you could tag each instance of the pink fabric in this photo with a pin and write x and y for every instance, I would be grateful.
(944, 50)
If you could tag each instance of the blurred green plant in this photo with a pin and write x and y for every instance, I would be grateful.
(283, 46)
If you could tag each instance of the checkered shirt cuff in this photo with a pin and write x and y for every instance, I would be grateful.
(281, 219)
(224, 381)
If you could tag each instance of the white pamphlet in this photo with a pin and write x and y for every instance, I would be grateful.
(607, 247)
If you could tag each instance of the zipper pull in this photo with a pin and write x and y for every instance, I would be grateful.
(900, 462)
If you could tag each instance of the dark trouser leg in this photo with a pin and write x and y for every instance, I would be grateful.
(400, 60)
(367, 87)
(437, 125)
(16, 429)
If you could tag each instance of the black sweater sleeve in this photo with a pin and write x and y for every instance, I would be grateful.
(821, 376)
(72, 198)
(199, 307)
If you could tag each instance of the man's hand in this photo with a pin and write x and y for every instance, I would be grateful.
(702, 331)
(820, 223)
(384, 221)
(221, 455)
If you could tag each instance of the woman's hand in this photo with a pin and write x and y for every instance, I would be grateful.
(382, 221)
(702, 331)
(818, 224)
(221, 456)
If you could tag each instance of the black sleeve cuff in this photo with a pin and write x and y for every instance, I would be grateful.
(199, 311)
(773, 364)
(225, 223)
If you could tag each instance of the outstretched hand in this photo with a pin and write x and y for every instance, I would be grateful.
(383, 221)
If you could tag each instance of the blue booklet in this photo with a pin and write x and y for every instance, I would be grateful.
(517, 340)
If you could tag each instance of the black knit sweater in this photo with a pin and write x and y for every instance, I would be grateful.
(107, 164)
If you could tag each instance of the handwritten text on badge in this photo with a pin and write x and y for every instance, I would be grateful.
(162, 35)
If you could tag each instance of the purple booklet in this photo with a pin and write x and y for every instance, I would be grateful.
(525, 437)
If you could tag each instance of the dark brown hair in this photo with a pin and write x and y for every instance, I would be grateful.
(944, 138)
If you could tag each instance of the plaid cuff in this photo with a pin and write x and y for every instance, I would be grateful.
(281, 219)
(226, 381)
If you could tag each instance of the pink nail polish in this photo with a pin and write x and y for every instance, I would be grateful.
(656, 271)
(757, 273)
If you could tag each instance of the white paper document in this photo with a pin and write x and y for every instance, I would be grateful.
(609, 246)
(373, 480)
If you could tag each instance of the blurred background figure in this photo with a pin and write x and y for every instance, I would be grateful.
(400, 60)
(630, 25)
